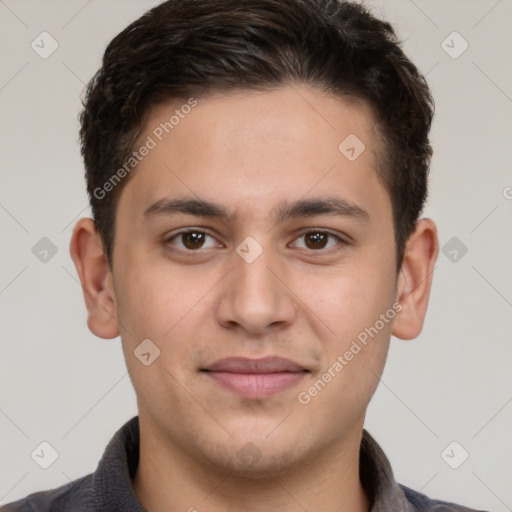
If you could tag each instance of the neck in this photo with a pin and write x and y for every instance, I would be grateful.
(170, 478)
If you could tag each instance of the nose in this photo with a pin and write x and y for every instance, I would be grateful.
(255, 297)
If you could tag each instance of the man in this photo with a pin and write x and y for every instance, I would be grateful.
(257, 170)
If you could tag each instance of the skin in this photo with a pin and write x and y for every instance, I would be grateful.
(249, 152)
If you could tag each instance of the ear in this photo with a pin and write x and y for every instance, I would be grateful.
(415, 279)
(86, 250)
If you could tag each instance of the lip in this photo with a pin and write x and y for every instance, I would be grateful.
(256, 378)
(270, 364)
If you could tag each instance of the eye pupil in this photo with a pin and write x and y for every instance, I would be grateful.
(319, 240)
(193, 239)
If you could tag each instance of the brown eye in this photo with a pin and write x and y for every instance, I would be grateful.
(190, 240)
(193, 239)
(316, 240)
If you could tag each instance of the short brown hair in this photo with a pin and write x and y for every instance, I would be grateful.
(184, 48)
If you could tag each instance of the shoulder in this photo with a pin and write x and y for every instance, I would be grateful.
(71, 497)
(422, 503)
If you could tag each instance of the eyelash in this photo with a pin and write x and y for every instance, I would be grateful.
(321, 252)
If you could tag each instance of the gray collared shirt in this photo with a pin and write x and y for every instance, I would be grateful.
(109, 488)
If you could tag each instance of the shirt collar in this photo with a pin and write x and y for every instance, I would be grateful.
(377, 478)
(112, 480)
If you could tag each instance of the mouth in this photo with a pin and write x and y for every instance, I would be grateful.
(256, 378)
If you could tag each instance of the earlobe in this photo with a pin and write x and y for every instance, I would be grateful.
(415, 279)
(91, 263)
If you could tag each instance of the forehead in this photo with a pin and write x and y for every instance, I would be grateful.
(257, 148)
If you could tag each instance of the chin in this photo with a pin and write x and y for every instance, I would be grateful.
(254, 458)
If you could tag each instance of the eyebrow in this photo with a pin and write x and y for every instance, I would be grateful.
(332, 205)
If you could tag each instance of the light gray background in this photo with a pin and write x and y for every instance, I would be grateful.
(63, 385)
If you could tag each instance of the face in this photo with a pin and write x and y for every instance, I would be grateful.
(258, 256)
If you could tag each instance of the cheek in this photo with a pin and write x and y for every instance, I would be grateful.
(358, 307)
(168, 307)
(355, 358)
(352, 298)
(152, 296)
